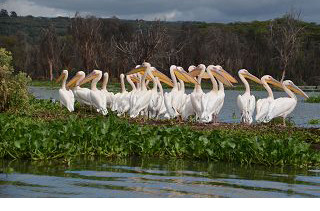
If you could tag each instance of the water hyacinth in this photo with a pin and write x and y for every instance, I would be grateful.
(28, 137)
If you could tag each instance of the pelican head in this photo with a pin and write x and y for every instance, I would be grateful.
(63, 74)
(245, 73)
(219, 75)
(294, 88)
(184, 76)
(75, 81)
(191, 68)
(226, 74)
(95, 74)
(270, 80)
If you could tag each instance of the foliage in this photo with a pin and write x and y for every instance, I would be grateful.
(13, 88)
(314, 122)
(234, 46)
(64, 135)
(313, 99)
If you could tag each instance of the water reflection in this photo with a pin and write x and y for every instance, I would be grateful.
(154, 178)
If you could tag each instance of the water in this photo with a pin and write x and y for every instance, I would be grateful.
(154, 178)
(301, 115)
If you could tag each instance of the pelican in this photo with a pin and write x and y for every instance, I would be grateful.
(221, 93)
(108, 95)
(120, 98)
(142, 98)
(175, 99)
(263, 105)
(211, 102)
(98, 99)
(82, 95)
(66, 96)
(196, 95)
(246, 102)
(188, 108)
(283, 106)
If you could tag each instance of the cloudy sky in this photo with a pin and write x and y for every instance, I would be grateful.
(171, 10)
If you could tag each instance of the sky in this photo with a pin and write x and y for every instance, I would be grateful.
(223, 11)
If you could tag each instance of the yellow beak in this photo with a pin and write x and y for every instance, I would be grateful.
(73, 81)
(184, 76)
(229, 77)
(60, 77)
(297, 90)
(275, 83)
(90, 77)
(252, 77)
(221, 77)
(139, 69)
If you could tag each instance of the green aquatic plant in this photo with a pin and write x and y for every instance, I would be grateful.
(313, 99)
(314, 121)
(13, 88)
(51, 135)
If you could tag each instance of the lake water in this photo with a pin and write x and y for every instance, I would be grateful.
(301, 115)
(154, 178)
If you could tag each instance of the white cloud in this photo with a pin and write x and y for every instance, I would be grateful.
(25, 7)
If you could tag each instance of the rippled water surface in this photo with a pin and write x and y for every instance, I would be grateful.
(302, 114)
(154, 178)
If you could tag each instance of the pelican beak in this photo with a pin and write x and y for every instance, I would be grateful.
(184, 76)
(134, 79)
(297, 90)
(229, 76)
(195, 72)
(139, 69)
(162, 77)
(60, 77)
(221, 77)
(90, 77)
(73, 81)
(252, 77)
(275, 83)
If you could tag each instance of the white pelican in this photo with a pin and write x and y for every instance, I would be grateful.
(263, 105)
(82, 95)
(142, 98)
(109, 95)
(283, 106)
(98, 99)
(246, 102)
(196, 95)
(175, 99)
(188, 108)
(120, 99)
(211, 102)
(66, 96)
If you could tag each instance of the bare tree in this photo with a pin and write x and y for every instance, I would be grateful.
(48, 47)
(86, 32)
(143, 44)
(285, 38)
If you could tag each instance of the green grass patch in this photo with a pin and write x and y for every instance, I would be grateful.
(314, 122)
(313, 99)
(46, 133)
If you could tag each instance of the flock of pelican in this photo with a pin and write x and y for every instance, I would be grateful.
(155, 103)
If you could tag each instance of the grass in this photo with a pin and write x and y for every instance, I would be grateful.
(314, 122)
(313, 99)
(47, 133)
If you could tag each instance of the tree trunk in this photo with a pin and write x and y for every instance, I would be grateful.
(50, 69)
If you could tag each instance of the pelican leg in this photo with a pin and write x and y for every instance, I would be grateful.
(284, 122)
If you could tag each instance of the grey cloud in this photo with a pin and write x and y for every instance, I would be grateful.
(197, 10)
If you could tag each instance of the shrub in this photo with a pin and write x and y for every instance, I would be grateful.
(13, 88)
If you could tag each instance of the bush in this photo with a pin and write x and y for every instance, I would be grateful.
(13, 88)
(313, 99)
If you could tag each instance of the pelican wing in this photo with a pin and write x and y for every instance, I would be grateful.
(281, 107)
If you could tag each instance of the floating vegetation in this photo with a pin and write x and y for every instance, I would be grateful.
(44, 134)
(313, 99)
(314, 122)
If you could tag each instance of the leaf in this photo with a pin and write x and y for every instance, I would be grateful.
(17, 144)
